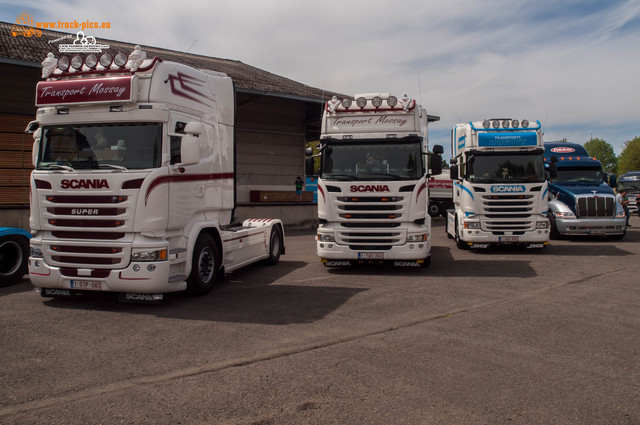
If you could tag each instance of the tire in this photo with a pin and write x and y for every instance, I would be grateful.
(14, 255)
(434, 209)
(205, 266)
(275, 246)
(459, 242)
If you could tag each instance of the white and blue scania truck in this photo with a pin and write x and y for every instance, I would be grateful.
(500, 187)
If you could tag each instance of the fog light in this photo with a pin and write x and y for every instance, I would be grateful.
(321, 245)
(151, 267)
(330, 246)
(136, 267)
(37, 263)
(411, 246)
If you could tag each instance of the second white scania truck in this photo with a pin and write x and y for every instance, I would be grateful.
(500, 191)
(372, 185)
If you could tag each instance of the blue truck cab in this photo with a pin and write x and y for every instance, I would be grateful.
(580, 202)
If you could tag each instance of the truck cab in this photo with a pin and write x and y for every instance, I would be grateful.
(580, 201)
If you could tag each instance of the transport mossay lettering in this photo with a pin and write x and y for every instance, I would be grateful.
(369, 188)
(84, 184)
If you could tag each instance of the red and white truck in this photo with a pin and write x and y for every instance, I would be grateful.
(134, 183)
(372, 182)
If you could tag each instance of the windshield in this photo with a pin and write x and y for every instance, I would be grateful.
(579, 174)
(630, 186)
(94, 146)
(372, 161)
(506, 168)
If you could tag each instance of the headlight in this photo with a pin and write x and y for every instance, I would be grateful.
(149, 254)
(36, 252)
(542, 225)
(471, 224)
(418, 238)
(621, 214)
(560, 214)
(324, 237)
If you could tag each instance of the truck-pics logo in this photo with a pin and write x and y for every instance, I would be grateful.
(369, 188)
(84, 184)
(507, 189)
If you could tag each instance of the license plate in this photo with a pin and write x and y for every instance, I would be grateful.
(596, 232)
(371, 256)
(85, 284)
(509, 238)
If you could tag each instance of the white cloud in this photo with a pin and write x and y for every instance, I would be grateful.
(571, 64)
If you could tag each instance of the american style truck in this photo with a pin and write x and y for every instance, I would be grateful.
(500, 187)
(133, 189)
(581, 203)
(372, 182)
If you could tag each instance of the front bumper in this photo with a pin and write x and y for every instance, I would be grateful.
(150, 278)
(591, 226)
(478, 236)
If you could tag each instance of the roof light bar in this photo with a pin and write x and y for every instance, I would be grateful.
(361, 102)
(91, 61)
(525, 123)
(106, 60)
(76, 62)
(392, 101)
(120, 60)
(63, 64)
(346, 102)
(376, 101)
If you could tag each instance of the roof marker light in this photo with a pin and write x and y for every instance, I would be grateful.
(106, 60)
(120, 60)
(76, 62)
(91, 61)
(63, 64)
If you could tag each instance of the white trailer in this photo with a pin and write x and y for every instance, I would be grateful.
(500, 192)
(372, 185)
(134, 183)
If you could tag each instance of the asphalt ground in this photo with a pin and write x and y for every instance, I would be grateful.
(496, 336)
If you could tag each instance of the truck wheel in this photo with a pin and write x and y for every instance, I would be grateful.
(275, 245)
(434, 209)
(14, 254)
(459, 242)
(204, 268)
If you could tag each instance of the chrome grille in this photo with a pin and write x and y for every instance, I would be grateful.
(508, 213)
(595, 206)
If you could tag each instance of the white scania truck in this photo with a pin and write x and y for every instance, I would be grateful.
(134, 183)
(500, 189)
(372, 183)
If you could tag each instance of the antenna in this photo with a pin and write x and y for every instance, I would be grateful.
(194, 42)
(544, 126)
(420, 89)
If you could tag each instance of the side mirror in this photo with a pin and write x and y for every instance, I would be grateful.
(309, 166)
(453, 172)
(436, 163)
(32, 127)
(308, 152)
(190, 144)
(438, 149)
(613, 180)
(36, 146)
(553, 169)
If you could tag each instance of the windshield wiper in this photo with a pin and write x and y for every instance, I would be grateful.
(340, 177)
(117, 167)
(60, 166)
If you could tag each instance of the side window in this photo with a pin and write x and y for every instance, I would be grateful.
(176, 142)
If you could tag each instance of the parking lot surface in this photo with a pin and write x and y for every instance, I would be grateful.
(494, 336)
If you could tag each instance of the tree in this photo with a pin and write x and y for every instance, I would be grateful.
(629, 159)
(603, 152)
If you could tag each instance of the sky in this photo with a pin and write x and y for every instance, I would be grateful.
(574, 65)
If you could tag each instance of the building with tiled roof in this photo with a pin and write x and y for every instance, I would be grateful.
(275, 117)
